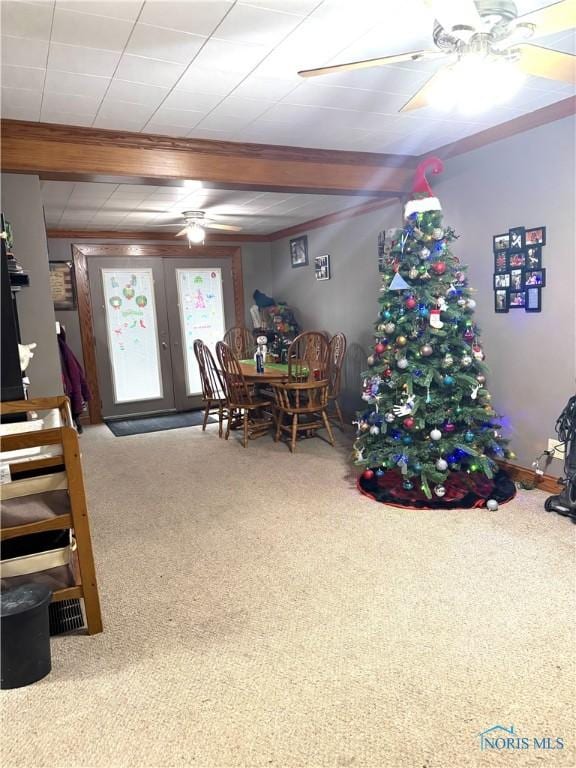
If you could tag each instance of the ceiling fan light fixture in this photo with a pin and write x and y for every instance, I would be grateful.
(195, 233)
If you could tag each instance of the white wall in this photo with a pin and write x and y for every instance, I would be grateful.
(526, 180)
(22, 206)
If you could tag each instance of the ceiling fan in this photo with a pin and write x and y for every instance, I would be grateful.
(196, 224)
(486, 43)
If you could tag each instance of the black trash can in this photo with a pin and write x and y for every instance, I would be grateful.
(25, 635)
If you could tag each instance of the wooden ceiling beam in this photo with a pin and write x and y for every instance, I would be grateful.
(89, 154)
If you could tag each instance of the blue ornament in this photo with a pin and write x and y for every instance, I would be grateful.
(469, 436)
(448, 380)
(386, 315)
(407, 484)
(373, 418)
(379, 472)
(395, 434)
(407, 440)
(417, 467)
(424, 312)
(418, 373)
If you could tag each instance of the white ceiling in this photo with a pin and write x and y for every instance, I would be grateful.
(100, 206)
(224, 69)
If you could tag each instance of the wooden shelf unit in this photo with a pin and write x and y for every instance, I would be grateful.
(47, 512)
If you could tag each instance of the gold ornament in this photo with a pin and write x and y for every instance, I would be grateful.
(401, 341)
(413, 274)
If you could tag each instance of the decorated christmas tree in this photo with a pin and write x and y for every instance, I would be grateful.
(428, 430)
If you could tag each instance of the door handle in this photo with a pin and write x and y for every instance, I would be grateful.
(164, 345)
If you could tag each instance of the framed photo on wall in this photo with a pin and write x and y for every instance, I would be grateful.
(533, 300)
(517, 241)
(535, 236)
(299, 251)
(501, 303)
(534, 278)
(517, 299)
(501, 242)
(533, 257)
(62, 284)
(322, 267)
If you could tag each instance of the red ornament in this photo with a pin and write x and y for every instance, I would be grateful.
(410, 302)
(469, 334)
(439, 267)
(368, 474)
(409, 422)
(449, 427)
(380, 348)
(387, 373)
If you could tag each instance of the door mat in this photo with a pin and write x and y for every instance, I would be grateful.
(143, 424)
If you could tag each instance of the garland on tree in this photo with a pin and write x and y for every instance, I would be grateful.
(428, 413)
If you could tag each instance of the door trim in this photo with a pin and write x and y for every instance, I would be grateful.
(81, 253)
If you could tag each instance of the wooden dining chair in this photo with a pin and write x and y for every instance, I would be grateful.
(243, 403)
(336, 353)
(240, 341)
(213, 395)
(303, 399)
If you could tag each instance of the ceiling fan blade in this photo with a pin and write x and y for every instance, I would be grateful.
(182, 232)
(367, 63)
(456, 16)
(227, 227)
(544, 62)
(421, 97)
(555, 17)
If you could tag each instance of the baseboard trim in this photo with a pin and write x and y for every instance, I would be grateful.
(525, 475)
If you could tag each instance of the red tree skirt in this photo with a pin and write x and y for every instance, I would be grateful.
(463, 490)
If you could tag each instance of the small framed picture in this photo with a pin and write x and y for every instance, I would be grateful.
(500, 261)
(502, 280)
(535, 236)
(322, 267)
(501, 300)
(517, 241)
(299, 251)
(62, 284)
(517, 260)
(516, 282)
(517, 299)
(534, 278)
(533, 300)
(533, 257)
(501, 242)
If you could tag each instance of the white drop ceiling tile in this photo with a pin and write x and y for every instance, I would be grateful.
(74, 84)
(260, 26)
(139, 69)
(32, 53)
(23, 77)
(66, 118)
(165, 44)
(139, 191)
(111, 110)
(202, 102)
(211, 81)
(185, 118)
(204, 133)
(303, 116)
(125, 9)
(296, 7)
(82, 61)
(267, 133)
(199, 18)
(136, 93)
(56, 189)
(272, 89)
(227, 56)
(345, 98)
(90, 31)
(237, 106)
(26, 20)
(161, 129)
(554, 86)
(95, 189)
(20, 113)
(388, 79)
(21, 98)
(225, 123)
(79, 105)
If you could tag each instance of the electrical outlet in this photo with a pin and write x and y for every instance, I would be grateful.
(556, 449)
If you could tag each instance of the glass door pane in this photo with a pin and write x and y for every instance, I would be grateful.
(132, 333)
(201, 305)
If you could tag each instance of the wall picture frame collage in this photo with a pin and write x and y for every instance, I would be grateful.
(518, 272)
(299, 258)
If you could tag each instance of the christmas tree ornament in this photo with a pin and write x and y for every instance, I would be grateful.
(424, 312)
(401, 341)
(449, 427)
(371, 360)
(435, 435)
(368, 474)
(402, 363)
(407, 485)
(437, 233)
(406, 406)
(410, 302)
(407, 440)
(387, 373)
(424, 253)
(380, 348)
(374, 430)
(409, 422)
(389, 417)
(435, 321)
(448, 380)
(364, 426)
(468, 334)
(439, 267)
(398, 283)
(440, 491)
(426, 350)
(381, 328)
(386, 315)
(461, 302)
(474, 393)
(469, 436)
(471, 304)
(477, 352)
(486, 395)
(451, 290)
(413, 273)
(389, 328)
(379, 472)
(447, 361)
(492, 505)
(466, 361)
(441, 465)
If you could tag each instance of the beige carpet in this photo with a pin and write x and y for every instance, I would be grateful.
(260, 612)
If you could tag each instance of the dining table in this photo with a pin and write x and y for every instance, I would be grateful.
(274, 373)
